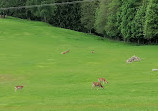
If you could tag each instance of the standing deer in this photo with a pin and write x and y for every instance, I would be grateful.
(95, 84)
(65, 52)
(102, 80)
(18, 88)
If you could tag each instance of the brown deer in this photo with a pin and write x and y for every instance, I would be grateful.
(102, 80)
(65, 52)
(92, 51)
(18, 88)
(95, 84)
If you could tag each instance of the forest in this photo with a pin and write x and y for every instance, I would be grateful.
(124, 20)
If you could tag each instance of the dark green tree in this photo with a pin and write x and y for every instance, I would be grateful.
(112, 25)
(68, 15)
(138, 22)
(4, 4)
(128, 11)
(151, 20)
(102, 16)
(44, 13)
(88, 10)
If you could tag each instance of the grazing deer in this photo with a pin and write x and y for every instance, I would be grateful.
(92, 51)
(95, 84)
(18, 87)
(102, 80)
(65, 52)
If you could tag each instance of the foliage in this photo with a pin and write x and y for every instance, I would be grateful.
(112, 26)
(102, 16)
(44, 13)
(67, 16)
(127, 15)
(151, 20)
(139, 21)
(128, 20)
(88, 11)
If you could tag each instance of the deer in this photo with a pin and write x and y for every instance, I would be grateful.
(103, 80)
(18, 88)
(95, 84)
(92, 51)
(65, 52)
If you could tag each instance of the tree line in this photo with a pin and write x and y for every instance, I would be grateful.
(125, 20)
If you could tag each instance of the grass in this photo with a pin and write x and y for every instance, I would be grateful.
(30, 56)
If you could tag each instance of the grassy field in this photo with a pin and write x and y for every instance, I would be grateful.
(30, 55)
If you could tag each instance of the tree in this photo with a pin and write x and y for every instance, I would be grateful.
(138, 22)
(21, 13)
(101, 16)
(88, 11)
(68, 16)
(4, 4)
(128, 11)
(112, 25)
(43, 13)
(151, 20)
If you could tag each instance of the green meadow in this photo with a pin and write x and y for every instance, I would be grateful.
(30, 55)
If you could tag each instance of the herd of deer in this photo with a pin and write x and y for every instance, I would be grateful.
(95, 84)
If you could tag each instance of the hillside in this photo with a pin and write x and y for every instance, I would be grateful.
(30, 55)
